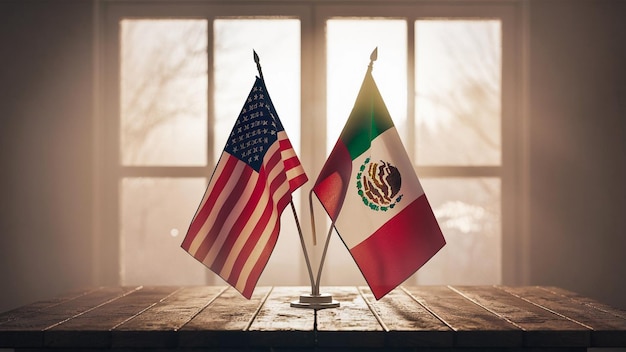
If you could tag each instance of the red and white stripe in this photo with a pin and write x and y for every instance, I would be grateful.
(294, 170)
(236, 226)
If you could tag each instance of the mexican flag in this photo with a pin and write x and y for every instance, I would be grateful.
(370, 190)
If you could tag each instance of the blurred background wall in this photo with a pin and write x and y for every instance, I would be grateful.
(575, 166)
(46, 152)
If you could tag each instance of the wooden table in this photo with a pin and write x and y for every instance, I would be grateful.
(436, 318)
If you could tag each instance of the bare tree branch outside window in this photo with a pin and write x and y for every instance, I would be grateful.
(163, 84)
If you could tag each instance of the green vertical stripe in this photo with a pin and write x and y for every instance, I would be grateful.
(368, 119)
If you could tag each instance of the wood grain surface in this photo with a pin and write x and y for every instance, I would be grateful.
(441, 318)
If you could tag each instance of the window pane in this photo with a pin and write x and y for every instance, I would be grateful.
(163, 92)
(458, 83)
(279, 51)
(155, 215)
(349, 45)
(468, 212)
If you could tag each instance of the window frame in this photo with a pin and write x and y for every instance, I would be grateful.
(109, 170)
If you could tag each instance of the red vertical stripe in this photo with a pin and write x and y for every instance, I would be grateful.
(399, 248)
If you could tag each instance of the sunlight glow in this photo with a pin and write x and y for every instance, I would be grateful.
(469, 213)
(349, 45)
(152, 211)
(165, 121)
(458, 90)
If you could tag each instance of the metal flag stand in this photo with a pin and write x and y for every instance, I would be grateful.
(317, 300)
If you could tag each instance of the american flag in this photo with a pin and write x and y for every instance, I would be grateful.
(236, 226)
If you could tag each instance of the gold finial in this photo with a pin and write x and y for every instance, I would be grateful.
(373, 57)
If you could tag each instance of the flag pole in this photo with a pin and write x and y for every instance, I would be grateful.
(319, 271)
(306, 254)
(315, 300)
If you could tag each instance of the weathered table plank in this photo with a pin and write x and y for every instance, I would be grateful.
(93, 328)
(474, 325)
(441, 318)
(585, 300)
(408, 324)
(36, 308)
(542, 328)
(277, 324)
(224, 322)
(351, 325)
(28, 330)
(608, 330)
(157, 326)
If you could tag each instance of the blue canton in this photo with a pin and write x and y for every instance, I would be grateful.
(256, 128)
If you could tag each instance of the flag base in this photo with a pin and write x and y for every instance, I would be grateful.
(321, 301)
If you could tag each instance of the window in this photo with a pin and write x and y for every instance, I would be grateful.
(458, 125)
(176, 75)
(163, 128)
